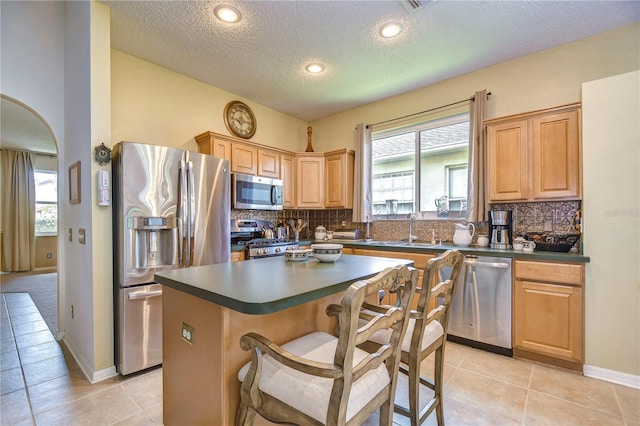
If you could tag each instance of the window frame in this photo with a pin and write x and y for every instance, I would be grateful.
(54, 233)
(417, 128)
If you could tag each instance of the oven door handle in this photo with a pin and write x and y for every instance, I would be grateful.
(144, 294)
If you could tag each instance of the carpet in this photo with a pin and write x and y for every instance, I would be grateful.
(43, 289)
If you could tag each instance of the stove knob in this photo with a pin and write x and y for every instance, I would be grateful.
(278, 250)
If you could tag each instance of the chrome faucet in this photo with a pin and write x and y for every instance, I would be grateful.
(412, 216)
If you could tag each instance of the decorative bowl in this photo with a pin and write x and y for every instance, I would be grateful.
(553, 241)
(327, 252)
(296, 255)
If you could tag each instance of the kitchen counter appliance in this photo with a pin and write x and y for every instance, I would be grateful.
(249, 233)
(171, 210)
(256, 192)
(481, 308)
(500, 229)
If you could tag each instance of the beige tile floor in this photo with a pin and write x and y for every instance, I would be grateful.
(42, 385)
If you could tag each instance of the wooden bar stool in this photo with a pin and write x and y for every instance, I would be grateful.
(323, 379)
(426, 334)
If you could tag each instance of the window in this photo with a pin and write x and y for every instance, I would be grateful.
(46, 202)
(423, 167)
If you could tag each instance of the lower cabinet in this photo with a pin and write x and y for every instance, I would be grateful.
(548, 311)
(420, 261)
(237, 256)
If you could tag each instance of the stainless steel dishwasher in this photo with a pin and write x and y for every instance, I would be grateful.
(481, 309)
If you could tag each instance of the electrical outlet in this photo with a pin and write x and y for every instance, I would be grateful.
(72, 313)
(81, 235)
(188, 333)
(70, 234)
(49, 255)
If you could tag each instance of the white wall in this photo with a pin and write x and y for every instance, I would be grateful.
(548, 78)
(611, 139)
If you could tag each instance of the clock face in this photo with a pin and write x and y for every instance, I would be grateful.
(240, 120)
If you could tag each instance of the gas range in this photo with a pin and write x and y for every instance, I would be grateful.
(249, 233)
(267, 247)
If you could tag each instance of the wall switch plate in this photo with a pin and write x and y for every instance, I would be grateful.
(188, 333)
(70, 234)
(81, 235)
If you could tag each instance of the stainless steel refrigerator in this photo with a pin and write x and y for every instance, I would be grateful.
(171, 209)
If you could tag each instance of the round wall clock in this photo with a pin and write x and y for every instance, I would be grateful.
(240, 120)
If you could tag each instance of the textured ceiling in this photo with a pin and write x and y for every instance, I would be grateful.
(262, 58)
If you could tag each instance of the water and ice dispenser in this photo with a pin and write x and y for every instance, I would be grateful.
(154, 241)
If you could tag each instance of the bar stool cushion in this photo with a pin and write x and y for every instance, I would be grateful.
(432, 332)
(294, 387)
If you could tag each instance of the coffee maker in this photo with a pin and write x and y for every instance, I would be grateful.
(500, 229)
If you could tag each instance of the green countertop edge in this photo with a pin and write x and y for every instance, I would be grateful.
(470, 250)
(170, 279)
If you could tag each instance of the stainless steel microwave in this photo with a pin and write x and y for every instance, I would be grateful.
(255, 192)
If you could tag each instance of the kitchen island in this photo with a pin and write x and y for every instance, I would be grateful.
(207, 309)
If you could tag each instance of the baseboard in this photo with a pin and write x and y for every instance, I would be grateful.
(91, 375)
(612, 376)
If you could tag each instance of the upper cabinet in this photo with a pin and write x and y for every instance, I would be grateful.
(288, 176)
(535, 156)
(338, 191)
(213, 144)
(245, 157)
(309, 180)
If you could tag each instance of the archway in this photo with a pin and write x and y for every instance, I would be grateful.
(23, 129)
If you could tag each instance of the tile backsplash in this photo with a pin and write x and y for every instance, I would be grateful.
(557, 216)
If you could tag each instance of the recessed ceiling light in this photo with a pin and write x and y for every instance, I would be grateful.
(390, 30)
(227, 13)
(314, 68)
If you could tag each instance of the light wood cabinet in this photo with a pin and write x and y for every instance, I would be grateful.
(339, 179)
(310, 180)
(244, 159)
(419, 262)
(535, 156)
(548, 311)
(268, 163)
(288, 176)
(212, 144)
(237, 256)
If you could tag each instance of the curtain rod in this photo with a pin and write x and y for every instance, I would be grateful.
(472, 99)
(42, 154)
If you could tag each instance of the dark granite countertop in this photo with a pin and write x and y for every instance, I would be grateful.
(419, 247)
(267, 285)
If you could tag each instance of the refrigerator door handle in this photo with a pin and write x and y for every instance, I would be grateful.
(192, 213)
(144, 294)
(183, 215)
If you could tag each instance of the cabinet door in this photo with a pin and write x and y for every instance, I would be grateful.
(507, 161)
(556, 156)
(268, 163)
(209, 144)
(244, 159)
(237, 256)
(548, 319)
(287, 174)
(309, 181)
(339, 180)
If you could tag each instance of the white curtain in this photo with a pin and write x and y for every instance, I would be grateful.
(362, 175)
(18, 211)
(477, 206)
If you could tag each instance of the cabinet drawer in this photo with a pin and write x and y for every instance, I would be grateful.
(564, 273)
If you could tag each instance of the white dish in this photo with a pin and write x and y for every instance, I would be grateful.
(296, 255)
(327, 253)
